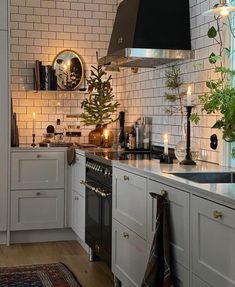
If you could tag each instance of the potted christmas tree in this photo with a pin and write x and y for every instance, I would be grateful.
(100, 107)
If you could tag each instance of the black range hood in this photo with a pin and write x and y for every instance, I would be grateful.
(148, 33)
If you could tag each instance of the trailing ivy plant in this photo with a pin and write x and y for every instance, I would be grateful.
(99, 107)
(221, 95)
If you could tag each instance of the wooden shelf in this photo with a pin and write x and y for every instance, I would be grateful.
(58, 91)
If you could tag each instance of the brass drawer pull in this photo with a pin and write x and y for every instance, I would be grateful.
(126, 235)
(76, 198)
(38, 193)
(126, 178)
(38, 156)
(217, 214)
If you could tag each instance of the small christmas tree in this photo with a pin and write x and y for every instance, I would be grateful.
(100, 107)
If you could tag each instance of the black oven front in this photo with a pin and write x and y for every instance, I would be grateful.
(98, 224)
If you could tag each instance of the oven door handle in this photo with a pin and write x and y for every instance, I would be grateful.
(96, 190)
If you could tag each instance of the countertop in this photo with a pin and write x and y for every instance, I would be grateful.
(222, 192)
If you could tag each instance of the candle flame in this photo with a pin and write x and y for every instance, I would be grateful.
(106, 134)
(165, 137)
(34, 116)
(189, 92)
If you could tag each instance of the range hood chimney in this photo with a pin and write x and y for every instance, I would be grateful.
(148, 33)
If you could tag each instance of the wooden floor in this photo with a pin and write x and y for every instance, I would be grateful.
(89, 274)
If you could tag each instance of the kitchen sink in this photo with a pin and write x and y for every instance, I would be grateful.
(207, 177)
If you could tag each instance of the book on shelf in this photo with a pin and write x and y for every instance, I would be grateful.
(45, 78)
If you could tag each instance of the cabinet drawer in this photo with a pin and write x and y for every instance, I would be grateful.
(78, 215)
(196, 282)
(37, 170)
(129, 255)
(78, 174)
(3, 14)
(179, 219)
(129, 200)
(213, 236)
(33, 209)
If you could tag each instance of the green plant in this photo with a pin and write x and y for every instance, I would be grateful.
(221, 95)
(100, 107)
(174, 83)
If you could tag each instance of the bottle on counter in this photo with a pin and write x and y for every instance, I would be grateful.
(127, 145)
(59, 132)
(132, 138)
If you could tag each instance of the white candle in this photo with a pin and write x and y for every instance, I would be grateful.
(189, 96)
(34, 118)
(165, 144)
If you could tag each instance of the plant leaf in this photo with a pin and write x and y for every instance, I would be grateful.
(212, 33)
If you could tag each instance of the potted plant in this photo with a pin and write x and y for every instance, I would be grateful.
(100, 107)
(221, 95)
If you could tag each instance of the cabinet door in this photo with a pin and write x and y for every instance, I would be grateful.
(37, 170)
(78, 215)
(179, 219)
(33, 209)
(3, 14)
(180, 276)
(213, 235)
(4, 125)
(196, 282)
(129, 200)
(129, 255)
(78, 174)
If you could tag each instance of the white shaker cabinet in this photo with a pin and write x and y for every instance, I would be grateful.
(129, 255)
(78, 197)
(38, 189)
(179, 219)
(3, 14)
(129, 200)
(34, 209)
(196, 282)
(37, 170)
(4, 113)
(213, 235)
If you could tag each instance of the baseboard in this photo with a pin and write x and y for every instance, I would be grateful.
(3, 237)
(31, 236)
(83, 244)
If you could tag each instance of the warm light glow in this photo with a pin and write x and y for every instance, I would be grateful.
(106, 134)
(189, 92)
(34, 116)
(65, 67)
(68, 63)
(224, 11)
(165, 144)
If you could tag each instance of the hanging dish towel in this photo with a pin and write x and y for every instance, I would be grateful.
(158, 272)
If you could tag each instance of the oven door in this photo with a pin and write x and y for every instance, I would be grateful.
(98, 218)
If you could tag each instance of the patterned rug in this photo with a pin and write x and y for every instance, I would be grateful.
(42, 275)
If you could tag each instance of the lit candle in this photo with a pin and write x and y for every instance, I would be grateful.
(165, 144)
(106, 134)
(189, 96)
(34, 118)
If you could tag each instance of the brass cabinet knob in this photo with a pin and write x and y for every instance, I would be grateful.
(217, 214)
(126, 235)
(38, 156)
(126, 178)
(38, 193)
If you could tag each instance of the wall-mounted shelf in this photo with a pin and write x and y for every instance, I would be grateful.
(59, 91)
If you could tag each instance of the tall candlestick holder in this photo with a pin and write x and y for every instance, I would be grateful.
(188, 158)
(33, 143)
